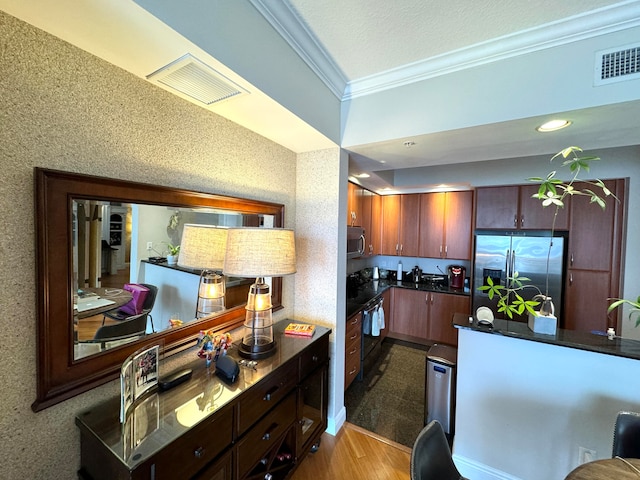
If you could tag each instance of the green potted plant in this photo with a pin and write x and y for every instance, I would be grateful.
(552, 192)
(172, 256)
(634, 307)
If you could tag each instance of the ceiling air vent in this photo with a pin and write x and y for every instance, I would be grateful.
(193, 78)
(617, 64)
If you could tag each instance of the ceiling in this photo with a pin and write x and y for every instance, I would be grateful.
(361, 43)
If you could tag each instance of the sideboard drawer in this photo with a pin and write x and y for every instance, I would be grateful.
(191, 452)
(314, 356)
(263, 396)
(257, 443)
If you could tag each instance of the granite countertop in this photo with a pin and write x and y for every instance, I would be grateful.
(374, 288)
(620, 347)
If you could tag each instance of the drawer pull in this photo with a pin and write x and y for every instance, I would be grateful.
(353, 351)
(354, 336)
(267, 435)
(353, 371)
(315, 358)
(268, 395)
(199, 452)
(355, 321)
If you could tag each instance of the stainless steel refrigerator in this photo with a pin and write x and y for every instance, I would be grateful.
(497, 255)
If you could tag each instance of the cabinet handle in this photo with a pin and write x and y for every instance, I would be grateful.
(397, 247)
(571, 260)
(199, 452)
(446, 251)
(273, 390)
(401, 249)
(353, 371)
(267, 435)
(571, 279)
(522, 221)
(515, 220)
(353, 351)
(315, 358)
(432, 299)
(353, 337)
(440, 250)
(355, 321)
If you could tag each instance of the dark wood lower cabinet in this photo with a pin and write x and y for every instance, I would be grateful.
(262, 426)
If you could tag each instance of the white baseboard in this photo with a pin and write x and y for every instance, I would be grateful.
(334, 424)
(478, 471)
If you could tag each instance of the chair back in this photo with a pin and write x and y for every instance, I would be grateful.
(431, 456)
(133, 326)
(150, 299)
(626, 435)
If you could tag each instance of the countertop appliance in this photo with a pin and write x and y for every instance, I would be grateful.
(457, 274)
(498, 255)
(355, 242)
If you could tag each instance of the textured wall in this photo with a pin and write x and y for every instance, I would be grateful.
(62, 108)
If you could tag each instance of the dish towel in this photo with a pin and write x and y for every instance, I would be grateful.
(381, 318)
(366, 323)
(375, 323)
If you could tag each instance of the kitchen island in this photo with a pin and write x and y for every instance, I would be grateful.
(529, 404)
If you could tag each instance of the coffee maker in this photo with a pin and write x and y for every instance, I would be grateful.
(457, 274)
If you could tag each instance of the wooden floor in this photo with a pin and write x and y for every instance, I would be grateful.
(355, 454)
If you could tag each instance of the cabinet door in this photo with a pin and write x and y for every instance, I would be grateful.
(442, 307)
(409, 225)
(390, 224)
(432, 208)
(591, 236)
(497, 207)
(375, 239)
(534, 216)
(312, 409)
(353, 207)
(218, 470)
(458, 216)
(409, 317)
(585, 305)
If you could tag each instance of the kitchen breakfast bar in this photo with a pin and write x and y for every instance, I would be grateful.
(552, 396)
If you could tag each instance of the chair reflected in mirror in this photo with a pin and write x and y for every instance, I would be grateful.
(123, 313)
(125, 331)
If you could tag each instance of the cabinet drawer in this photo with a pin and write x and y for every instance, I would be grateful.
(354, 324)
(351, 363)
(258, 441)
(193, 451)
(314, 356)
(263, 396)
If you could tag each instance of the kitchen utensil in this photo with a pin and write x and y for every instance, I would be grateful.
(416, 274)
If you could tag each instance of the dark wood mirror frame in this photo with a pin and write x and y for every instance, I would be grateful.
(59, 376)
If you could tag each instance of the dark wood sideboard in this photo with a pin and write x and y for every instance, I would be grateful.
(261, 426)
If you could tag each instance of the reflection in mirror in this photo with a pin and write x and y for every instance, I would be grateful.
(92, 235)
(117, 244)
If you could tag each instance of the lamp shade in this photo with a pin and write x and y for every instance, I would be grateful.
(203, 246)
(260, 252)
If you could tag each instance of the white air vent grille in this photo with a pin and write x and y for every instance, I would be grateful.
(193, 78)
(616, 65)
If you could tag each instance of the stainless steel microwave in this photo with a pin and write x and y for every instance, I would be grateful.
(355, 242)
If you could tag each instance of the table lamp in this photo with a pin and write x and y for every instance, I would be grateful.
(260, 253)
(203, 247)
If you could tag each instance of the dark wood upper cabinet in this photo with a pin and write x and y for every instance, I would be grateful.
(390, 224)
(513, 208)
(445, 225)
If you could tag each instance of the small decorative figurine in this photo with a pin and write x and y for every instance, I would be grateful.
(211, 346)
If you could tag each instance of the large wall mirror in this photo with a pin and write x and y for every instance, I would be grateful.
(94, 236)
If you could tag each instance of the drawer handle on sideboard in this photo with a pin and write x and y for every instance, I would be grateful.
(267, 435)
(273, 390)
(314, 358)
(199, 452)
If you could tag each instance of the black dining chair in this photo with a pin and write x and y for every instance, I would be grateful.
(626, 435)
(147, 306)
(431, 456)
(133, 327)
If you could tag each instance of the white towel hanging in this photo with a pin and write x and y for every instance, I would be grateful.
(381, 317)
(375, 323)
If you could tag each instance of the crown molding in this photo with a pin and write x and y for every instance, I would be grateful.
(590, 24)
(611, 19)
(304, 43)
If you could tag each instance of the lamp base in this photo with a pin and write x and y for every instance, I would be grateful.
(257, 352)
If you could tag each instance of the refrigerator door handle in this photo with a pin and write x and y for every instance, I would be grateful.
(506, 264)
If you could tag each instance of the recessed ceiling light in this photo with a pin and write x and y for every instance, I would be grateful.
(363, 175)
(409, 144)
(553, 125)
